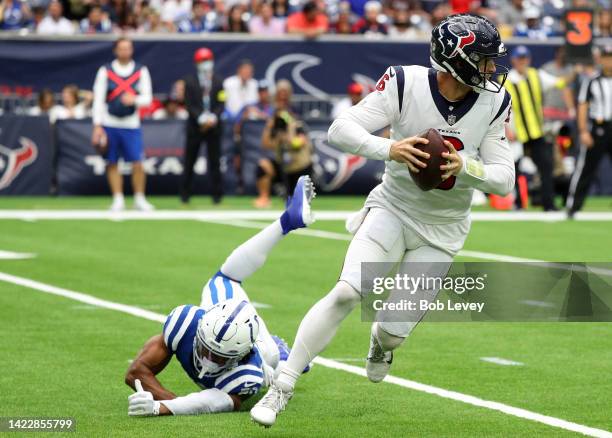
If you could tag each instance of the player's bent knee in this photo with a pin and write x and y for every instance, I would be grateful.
(345, 295)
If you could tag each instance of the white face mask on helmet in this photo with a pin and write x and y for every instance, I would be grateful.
(226, 333)
(205, 67)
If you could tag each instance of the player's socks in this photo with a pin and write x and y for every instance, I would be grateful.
(317, 329)
(252, 254)
(298, 213)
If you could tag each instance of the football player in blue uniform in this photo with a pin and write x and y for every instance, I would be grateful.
(223, 345)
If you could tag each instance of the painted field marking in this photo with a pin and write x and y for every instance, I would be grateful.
(10, 255)
(322, 215)
(444, 393)
(501, 361)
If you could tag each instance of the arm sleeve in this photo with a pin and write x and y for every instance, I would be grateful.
(549, 81)
(494, 171)
(99, 91)
(145, 95)
(209, 401)
(352, 130)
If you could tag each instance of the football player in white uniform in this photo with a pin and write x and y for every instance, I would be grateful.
(223, 345)
(400, 222)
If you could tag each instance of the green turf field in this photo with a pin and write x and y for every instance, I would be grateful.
(65, 358)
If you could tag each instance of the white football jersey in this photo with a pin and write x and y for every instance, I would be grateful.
(407, 99)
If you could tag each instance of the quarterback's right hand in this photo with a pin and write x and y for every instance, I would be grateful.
(403, 151)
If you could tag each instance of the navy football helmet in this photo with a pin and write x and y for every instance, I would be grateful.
(462, 45)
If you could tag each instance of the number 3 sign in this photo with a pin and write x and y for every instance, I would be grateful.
(578, 34)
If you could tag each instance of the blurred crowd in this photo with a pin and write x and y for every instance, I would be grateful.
(412, 19)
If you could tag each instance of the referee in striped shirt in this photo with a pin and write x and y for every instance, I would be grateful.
(595, 128)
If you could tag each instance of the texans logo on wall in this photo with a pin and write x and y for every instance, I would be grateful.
(26, 151)
(13, 161)
(333, 168)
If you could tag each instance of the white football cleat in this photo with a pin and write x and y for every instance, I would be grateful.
(143, 205)
(378, 362)
(273, 403)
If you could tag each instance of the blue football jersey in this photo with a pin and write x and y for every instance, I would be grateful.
(179, 332)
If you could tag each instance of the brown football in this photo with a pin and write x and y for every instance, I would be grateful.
(430, 177)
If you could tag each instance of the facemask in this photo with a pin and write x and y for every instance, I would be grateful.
(206, 67)
(208, 367)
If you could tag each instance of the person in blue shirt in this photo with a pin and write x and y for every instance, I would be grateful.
(14, 14)
(223, 345)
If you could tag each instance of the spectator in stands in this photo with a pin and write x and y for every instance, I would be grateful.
(604, 24)
(120, 88)
(402, 26)
(281, 8)
(171, 110)
(70, 108)
(44, 104)
(510, 12)
(55, 23)
(240, 89)
(286, 136)
(532, 27)
(344, 23)
(14, 14)
(371, 23)
(204, 100)
(265, 23)
(355, 94)
(235, 20)
(174, 11)
(96, 22)
(151, 22)
(198, 21)
(311, 22)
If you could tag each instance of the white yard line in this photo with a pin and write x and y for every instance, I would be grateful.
(501, 361)
(10, 255)
(444, 393)
(267, 215)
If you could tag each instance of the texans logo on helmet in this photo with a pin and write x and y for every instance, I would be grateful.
(13, 161)
(333, 168)
(451, 41)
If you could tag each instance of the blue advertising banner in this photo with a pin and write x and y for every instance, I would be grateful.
(26, 155)
(81, 170)
(317, 68)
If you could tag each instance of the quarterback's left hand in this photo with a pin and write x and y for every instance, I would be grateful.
(454, 164)
(141, 403)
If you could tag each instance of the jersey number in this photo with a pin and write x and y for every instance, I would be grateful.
(458, 145)
(382, 82)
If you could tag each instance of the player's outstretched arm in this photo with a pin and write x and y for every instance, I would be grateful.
(151, 360)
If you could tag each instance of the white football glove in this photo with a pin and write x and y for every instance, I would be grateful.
(141, 403)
